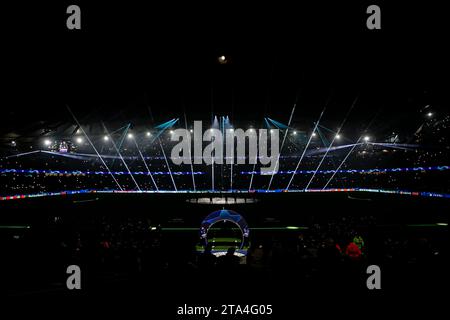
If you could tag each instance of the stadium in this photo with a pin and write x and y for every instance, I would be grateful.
(88, 175)
(333, 189)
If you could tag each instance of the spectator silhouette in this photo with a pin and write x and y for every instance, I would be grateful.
(229, 260)
(207, 260)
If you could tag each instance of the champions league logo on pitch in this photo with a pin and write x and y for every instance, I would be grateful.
(234, 142)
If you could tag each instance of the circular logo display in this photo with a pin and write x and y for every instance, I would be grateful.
(224, 216)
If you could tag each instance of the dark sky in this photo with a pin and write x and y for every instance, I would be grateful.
(128, 57)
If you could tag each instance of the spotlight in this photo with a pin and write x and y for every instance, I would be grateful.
(47, 142)
(366, 138)
(130, 136)
(13, 143)
(271, 130)
(79, 140)
(294, 133)
(148, 134)
(222, 59)
(338, 136)
(171, 131)
(251, 130)
(191, 131)
(314, 134)
(429, 114)
(106, 138)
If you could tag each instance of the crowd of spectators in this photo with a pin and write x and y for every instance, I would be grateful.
(111, 248)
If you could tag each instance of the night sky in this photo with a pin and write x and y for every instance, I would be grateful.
(128, 57)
